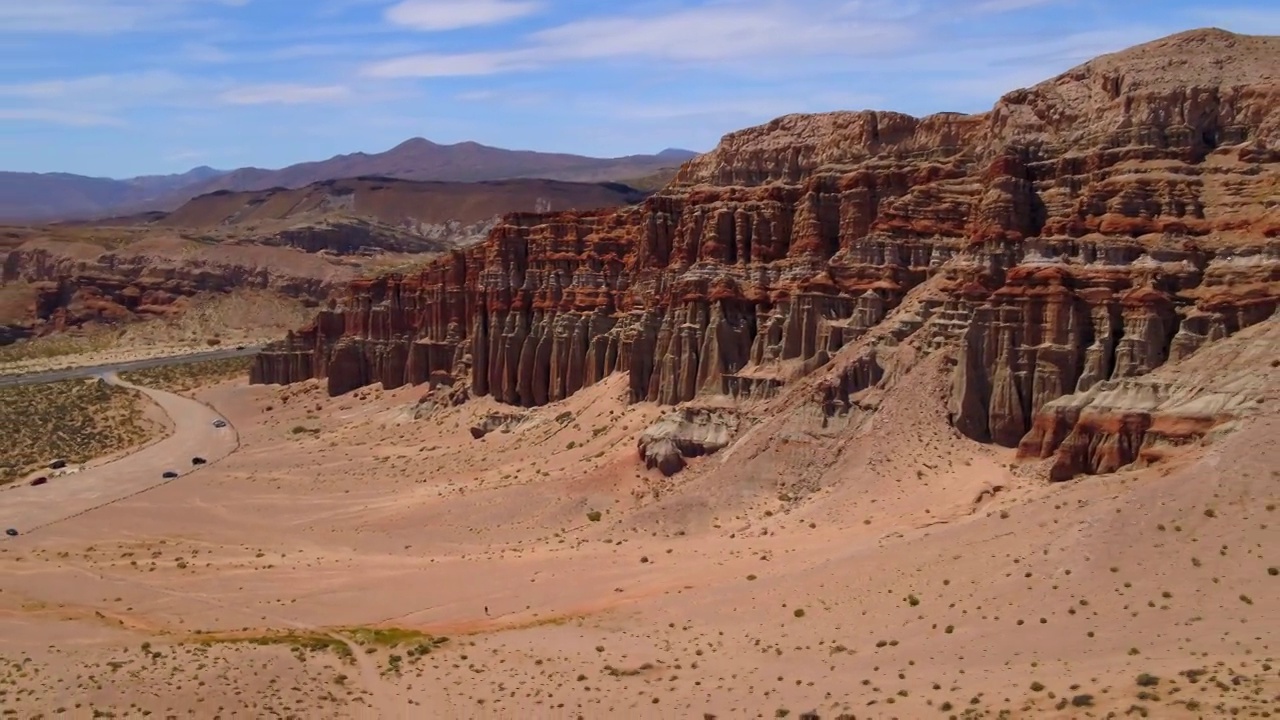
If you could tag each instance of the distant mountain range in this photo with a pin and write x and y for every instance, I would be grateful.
(44, 197)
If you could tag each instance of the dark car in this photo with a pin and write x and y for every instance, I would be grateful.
(169, 475)
(57, 464)
(197, 461)
(11, 532)
(219, 423)
(39, 481)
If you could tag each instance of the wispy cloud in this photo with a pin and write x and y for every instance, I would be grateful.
(425, 65)
(58, 117)
(748, 107)
(100, 17)
(719, 34)
(285, 94)
(95, 100)
(101, 89)
(454, 14)
(997, 6)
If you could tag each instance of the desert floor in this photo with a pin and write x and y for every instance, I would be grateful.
(349, 560)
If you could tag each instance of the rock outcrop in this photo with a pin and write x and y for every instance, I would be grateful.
(69, 287)
(1117, 423)
(495, 421)
(685, 433)
(1086, 230)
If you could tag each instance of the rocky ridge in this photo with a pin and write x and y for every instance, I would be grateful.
(1084, 231)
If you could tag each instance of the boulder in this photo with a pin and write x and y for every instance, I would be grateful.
(686, 433)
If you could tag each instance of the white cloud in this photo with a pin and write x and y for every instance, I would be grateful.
(453, 14)
(284, 94)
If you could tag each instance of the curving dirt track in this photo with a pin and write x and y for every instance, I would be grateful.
(29, 508)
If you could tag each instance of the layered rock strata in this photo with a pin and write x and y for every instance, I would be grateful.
(1088, 229)
(1116, 423)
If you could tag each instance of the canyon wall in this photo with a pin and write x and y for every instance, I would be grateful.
(1086, 230)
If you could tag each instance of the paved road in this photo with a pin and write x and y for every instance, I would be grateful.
(93, 370)
(27, 508)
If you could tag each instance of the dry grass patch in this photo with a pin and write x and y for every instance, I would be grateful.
(340, 641)
(75, 420)
(397, 266)
(189, 376)
(297, 641)
(55, 346)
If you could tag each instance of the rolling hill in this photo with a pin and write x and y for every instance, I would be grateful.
(46, 197)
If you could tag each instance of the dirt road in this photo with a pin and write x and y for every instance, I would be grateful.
(27, 508)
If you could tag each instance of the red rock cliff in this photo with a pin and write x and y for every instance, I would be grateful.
(1087, 229)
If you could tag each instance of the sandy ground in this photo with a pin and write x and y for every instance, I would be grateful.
(872, 566)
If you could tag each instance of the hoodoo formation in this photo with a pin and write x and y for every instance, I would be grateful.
(1081, 233)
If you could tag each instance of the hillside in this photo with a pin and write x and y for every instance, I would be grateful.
(397, 201)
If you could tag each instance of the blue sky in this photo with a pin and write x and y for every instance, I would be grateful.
(127, 87)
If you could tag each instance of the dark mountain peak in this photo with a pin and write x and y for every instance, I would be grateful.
(415, 144)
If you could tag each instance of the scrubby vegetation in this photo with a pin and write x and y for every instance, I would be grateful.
(54, 346)
(341, 641)
(185, 377)
(298, 641)
(75, 420)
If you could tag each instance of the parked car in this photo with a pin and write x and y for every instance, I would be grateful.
(11, 532)
(57, 464)
(219, 423)
(39, 481)
(197, 460)
(169, 475)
